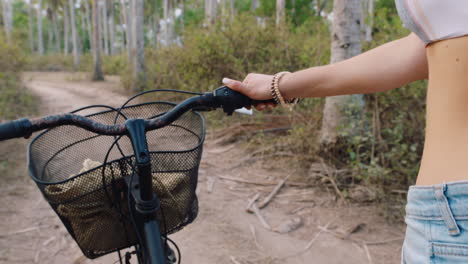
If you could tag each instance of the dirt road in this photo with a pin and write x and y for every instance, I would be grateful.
(223, 233)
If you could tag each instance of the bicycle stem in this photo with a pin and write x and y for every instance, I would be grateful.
(137, 134)
(146, 203)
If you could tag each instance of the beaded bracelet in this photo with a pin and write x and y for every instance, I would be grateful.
(275, 92)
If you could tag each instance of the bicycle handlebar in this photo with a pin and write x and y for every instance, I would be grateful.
(14, 129)
(222, 97)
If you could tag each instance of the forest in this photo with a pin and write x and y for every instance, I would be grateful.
(376, 140)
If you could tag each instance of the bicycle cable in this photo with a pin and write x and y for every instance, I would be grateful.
(179, 254)
(119, 210)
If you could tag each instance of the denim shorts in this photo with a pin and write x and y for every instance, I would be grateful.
(437, 224)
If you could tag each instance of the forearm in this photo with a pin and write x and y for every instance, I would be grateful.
(386, 67)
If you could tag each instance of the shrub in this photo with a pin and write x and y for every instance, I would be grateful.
(231, 50)
(58, 62)
(15, 100)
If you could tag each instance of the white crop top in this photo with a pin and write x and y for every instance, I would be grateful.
(434, 20)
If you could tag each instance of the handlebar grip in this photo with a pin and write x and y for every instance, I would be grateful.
(231, 100)
(16, 129)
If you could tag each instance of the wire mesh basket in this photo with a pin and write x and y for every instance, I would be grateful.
(82, 176)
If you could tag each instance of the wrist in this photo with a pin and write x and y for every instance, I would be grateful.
(283, 86)
(278, 96)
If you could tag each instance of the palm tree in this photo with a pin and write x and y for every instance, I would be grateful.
(280, 14)
(88, 24)
(254, 5)
(40, 39)
(7, 11)
(111, 27)
(126, 10)
(76, 55)
(211, 10)
(346, 43)
(31, 27)
(50, 34)
(105, 33)
(56, 30)
(66, 27)
(169, 32)
(97, 72)
(370, 13)
(139, 74)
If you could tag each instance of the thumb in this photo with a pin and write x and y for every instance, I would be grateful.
(235, 85)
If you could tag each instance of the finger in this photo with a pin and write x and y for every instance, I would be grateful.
(235, 85)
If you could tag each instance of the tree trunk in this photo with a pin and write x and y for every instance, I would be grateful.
(7, 18)
(105, 32)
(370, 24)
(97, 72)
(254, 5)
(76, 55)
(182, 15)
(56, 31)
(232, 9)
(128, 26)
(155, 29)
(123, 21)
(111, 28)
(82, 42)
(320, 6)
(101, 28)
(280, 13)
(40, 40)
(88, 25)
(168, 6)
(340, 111)
(138, 45)
(31, 27)
(50, 36)
(66, 27)
(211, 10)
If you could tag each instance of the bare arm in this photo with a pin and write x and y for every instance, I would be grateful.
(388, 66)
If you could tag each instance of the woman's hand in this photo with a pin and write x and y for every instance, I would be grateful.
(256, 86)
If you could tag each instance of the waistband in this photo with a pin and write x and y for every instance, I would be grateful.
(424, 201)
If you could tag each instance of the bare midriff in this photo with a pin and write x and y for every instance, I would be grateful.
(445, 156)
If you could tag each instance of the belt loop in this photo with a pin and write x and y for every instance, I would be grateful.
(445, 211)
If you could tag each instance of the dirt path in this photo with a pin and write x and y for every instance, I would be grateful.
(223, 233)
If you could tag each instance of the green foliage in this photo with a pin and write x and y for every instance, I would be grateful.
(194, 15)
(15, 100)
(232, 50)
(387, 4)
(390, 151)
(243, 5)
(299, 11)
(50, 62)
(111, 65)
(12, 60)
(384, 152)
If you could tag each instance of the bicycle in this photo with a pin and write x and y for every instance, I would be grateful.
(145, 190)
